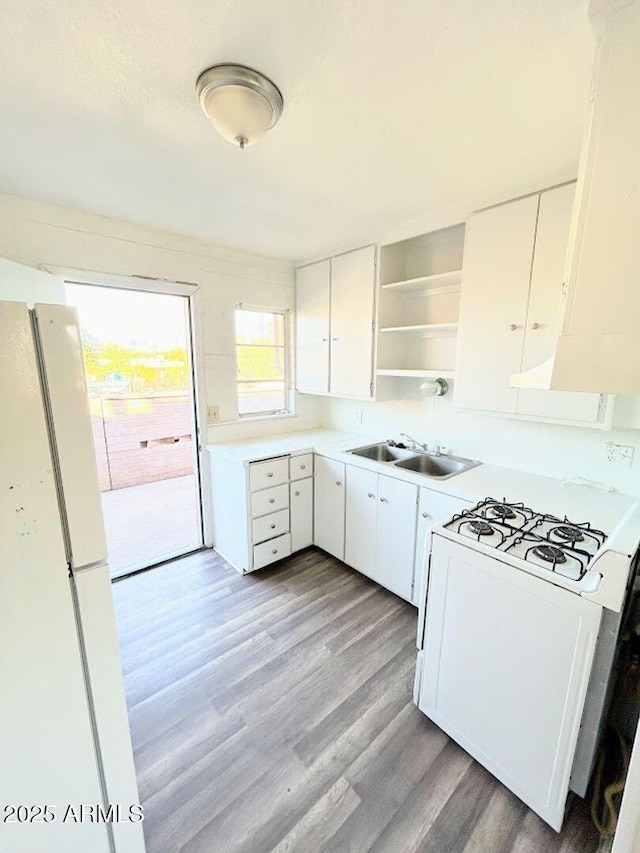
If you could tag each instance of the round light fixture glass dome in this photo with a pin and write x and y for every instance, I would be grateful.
(240, 103)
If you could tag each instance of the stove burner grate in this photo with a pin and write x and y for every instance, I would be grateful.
(550, 554)
(481, 528)
(567, 533)
(500, 511)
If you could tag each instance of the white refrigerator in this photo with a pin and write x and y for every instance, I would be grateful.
(67, 777)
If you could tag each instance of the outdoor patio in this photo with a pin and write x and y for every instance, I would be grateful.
(147, 523)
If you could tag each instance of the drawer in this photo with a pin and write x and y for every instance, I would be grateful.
(271, 473)
(269, 552)
(269, 500)
(269, 526)
(301, 466)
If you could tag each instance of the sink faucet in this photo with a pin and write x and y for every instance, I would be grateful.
(415, 445)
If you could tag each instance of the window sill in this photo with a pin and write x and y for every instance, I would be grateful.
(253, 420)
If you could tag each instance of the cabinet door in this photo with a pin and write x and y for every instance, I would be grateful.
(360, 521)
(545, 297)
(301, 509)
(433, 507)
(493, 304)
(396, 535)
(328, 516)
(312, 327)
(352, 297)
(487, 663)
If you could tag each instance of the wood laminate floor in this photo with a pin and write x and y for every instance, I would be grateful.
(273, 712)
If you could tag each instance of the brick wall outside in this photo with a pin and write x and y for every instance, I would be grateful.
(141, 439)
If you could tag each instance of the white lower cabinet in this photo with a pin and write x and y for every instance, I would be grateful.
(380, 529)
(433, 507)
(329, 505)
(263, 510)
(360, 521)
(301, 510)
(396, 535)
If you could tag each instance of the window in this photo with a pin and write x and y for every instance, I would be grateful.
(262, 358)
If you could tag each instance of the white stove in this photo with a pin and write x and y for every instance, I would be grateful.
(522, 611)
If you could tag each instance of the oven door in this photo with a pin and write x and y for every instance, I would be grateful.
(505, 667)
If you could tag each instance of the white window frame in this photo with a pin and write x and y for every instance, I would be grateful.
(288, 411)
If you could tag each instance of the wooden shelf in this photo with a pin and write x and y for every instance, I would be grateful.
(417, 374)
(426, 328)
(426, 282)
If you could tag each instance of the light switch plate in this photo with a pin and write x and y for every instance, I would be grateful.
(213, 414)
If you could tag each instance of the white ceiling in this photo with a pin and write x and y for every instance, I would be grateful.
(395, 110)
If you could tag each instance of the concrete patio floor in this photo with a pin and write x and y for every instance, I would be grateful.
(148, 523)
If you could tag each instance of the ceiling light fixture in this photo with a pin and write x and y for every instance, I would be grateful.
(240, 103)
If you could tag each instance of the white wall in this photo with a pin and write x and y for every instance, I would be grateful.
(556, 451)
(39, 234)
(19, 283)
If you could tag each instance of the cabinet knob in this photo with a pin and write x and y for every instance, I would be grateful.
(297, 494)
(384, 501)
(272, 500)
(371, 495)
(273, 527)
(275, 551)
(270, 474)
(535, 325)
(325, 340)
(513, 327)
(302, 467)
(426, 515)
(335, 339)
(338, 482)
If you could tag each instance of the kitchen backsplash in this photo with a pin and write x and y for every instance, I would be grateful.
(541, 448)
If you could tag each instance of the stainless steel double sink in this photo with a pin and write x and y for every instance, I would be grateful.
(427, 464)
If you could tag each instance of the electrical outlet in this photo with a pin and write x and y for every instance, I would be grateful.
(358, 416)
(618, 454)
(213, 414)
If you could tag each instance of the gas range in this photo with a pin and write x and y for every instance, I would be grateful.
(574, 555)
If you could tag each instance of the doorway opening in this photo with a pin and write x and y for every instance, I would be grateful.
(137, 347)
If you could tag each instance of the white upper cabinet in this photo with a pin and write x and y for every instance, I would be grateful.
(511, 296)
(334, 325)
(352, 296)
(313, 289)
(599, 341)
(493, 304)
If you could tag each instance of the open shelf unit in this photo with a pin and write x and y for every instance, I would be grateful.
(418, 374)
(425, 328)
(425, 283)
(418, 305)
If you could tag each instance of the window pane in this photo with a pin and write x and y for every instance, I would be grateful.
(260, 397)
(261, 360)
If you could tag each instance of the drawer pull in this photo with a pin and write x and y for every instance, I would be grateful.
(302, 467)
(272, 500)
(384, 501)
(275, 551)
(297, 494)
(426, 515)
(270, 474)
(338, 483)
(273, 527)
(371, 495)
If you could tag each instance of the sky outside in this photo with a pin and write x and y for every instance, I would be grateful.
(130, 318)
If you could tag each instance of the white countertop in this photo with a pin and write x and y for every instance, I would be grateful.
(544, 494)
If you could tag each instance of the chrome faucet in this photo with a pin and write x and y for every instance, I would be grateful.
(415, 445)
